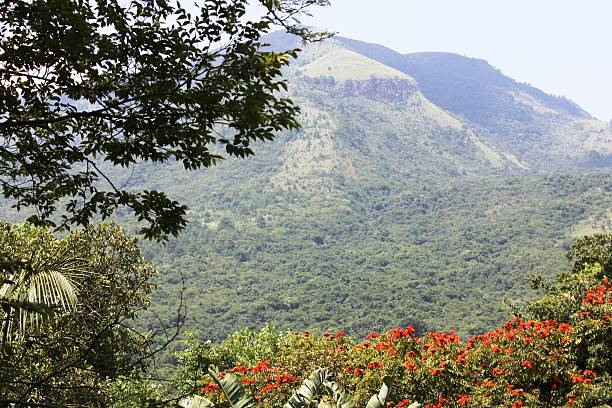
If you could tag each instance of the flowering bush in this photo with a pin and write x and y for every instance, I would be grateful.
(544, 361)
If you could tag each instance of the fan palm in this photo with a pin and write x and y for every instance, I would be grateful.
(39, 275)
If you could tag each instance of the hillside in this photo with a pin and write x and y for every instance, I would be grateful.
(399, 201)
(545, 131)
(384, 210)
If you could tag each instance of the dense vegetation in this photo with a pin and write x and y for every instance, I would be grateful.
(554, 352)
(458, 245)
(383, 211)
(379, 187)
(68, 356)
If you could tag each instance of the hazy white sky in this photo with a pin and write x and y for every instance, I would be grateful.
(563, 47)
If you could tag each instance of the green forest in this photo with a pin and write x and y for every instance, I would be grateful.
(459, 250)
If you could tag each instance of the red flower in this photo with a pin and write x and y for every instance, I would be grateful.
(209, 387)
(248, 381)
(411, 366)
(463, 399)
(461, 357)
(578, 378)
(527, 364)
(488, 383)
(262, 366)
(375, 364)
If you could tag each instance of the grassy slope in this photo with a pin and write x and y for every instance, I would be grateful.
(342, 64)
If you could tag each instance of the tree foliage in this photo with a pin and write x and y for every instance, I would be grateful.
(88, 84)
(38, 274)
(70, 358)
(557, 354)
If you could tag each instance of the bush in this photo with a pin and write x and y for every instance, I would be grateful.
(559, 356)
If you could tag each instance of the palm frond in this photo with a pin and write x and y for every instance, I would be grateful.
(379, 400)
(231, 387)
(39, 280)
(341, 398)
(312, 386)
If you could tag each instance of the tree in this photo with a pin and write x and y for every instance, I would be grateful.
(72, 357)
(85, 84)
(33, 282)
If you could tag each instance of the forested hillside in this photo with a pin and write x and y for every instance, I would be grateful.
(398, 202)
(438, 255)
(198, 211)
(384, 210)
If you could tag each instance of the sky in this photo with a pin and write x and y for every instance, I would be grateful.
(563, 47)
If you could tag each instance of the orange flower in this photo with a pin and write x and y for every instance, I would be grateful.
(411, 366)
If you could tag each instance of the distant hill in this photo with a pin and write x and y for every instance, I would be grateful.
(542, 130)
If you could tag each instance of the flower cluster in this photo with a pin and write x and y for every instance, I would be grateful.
(599, 295)
(523, 363)
(260, 379)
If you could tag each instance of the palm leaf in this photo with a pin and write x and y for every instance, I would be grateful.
(379, 400)
(341, 397)
(312, 386)
(201, 402)
(231, 387)
(40, 281)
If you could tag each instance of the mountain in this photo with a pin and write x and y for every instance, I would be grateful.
(421, 189)
(396, 203)
(542, 130)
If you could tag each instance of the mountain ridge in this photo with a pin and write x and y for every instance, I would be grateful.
(537, 130)
(383, 210)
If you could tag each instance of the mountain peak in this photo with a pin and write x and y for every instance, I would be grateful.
(343, 64)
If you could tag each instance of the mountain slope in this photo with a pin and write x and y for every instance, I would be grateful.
(542, 130)
(389, 207)
(384, 210)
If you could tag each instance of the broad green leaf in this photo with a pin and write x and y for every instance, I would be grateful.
(312, 386)
(231, 387)
(341, 397)
(201, 402)
(379, 400)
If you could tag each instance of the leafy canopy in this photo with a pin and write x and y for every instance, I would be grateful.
(86, 85)
(71, 356)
